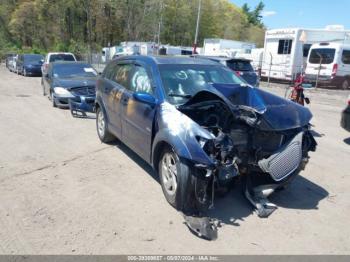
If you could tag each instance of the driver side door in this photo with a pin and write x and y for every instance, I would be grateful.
(137, 116)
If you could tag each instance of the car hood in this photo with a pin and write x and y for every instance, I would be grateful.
(75, 82)
(257, 107)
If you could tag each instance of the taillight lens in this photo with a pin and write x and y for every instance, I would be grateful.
(239, 73)
(349, 100)
(334, 70)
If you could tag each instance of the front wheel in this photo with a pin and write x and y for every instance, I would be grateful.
(175, 178)
(101, 126)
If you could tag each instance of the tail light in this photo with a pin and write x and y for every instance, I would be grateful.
(334, 70)
(349, 100)
(239, 73)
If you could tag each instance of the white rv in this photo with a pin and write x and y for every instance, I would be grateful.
(224, 47)
(286, 50)
(328, 64)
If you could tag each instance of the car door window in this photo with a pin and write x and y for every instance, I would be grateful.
(122, 75)
(140, 80)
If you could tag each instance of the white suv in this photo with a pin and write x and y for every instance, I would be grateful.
(53, 57)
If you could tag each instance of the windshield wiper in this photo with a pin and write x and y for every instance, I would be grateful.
(180, 95)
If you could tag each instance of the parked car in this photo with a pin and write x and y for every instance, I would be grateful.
(331, 61)
(241, 66)
(9, 60)
(55, 57)
(10, 63)
(29, 64)
(201, 127)
(71, 85)
(345, 117)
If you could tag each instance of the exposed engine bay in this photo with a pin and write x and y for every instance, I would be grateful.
(241, 148)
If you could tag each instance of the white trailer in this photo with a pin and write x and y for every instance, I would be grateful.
(224, 47)
(286, 49)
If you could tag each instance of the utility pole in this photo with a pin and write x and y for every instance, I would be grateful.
(160, 23)
(197, 27)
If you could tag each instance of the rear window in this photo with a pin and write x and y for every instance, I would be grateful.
(240, 65)
(322, 55)
(61, 57)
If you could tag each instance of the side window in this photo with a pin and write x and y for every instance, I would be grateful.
(109, 71)
(122, 75)
(346, 57)
(140, 80)
(284, 46)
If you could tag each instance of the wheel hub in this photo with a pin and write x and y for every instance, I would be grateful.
(169, 173)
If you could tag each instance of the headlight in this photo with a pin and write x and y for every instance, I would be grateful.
(61, 91)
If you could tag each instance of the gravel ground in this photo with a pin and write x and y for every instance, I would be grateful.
(63, 192)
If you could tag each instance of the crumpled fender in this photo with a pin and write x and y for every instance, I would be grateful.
(179, 131)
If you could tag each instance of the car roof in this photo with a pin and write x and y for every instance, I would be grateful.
(59, 53)
(70, 63)
(183, 60)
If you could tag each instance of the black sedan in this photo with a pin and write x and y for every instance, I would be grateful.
(71, 85)
(345, 119)
(29, 64)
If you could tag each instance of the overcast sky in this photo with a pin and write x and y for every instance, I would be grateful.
(303, 13)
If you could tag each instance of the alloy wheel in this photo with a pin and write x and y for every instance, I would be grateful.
(101, 124)
(169, 173)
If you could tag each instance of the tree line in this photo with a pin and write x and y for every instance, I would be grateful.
(80, 25)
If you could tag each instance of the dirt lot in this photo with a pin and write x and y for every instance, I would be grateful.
(64, 192)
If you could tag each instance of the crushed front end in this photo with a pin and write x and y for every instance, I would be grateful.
(262, 139)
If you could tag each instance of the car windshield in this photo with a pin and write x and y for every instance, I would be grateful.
(181, 82)
(33, 58)
(239, 65)
(61, 57)
(73, 70)
(326, 54)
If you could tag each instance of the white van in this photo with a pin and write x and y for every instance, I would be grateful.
(331, 62)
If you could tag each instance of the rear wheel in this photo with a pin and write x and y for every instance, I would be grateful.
(101, 126)
(345, 84)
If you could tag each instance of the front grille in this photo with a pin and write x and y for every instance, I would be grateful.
(284, 162)
(83, 91)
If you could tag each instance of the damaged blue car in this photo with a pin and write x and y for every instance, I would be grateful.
(201, 128)
(71, 85)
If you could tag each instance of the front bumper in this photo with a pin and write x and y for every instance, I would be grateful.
(82, 104)
(76, 103)
(345, 119)
(33, 71)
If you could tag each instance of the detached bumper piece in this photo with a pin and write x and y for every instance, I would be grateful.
(202, 227)
(80, 105)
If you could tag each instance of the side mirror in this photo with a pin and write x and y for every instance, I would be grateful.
(145, 98)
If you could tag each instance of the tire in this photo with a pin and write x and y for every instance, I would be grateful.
(101, 127)
(175, 179)
(52, 100)
(345, 84)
